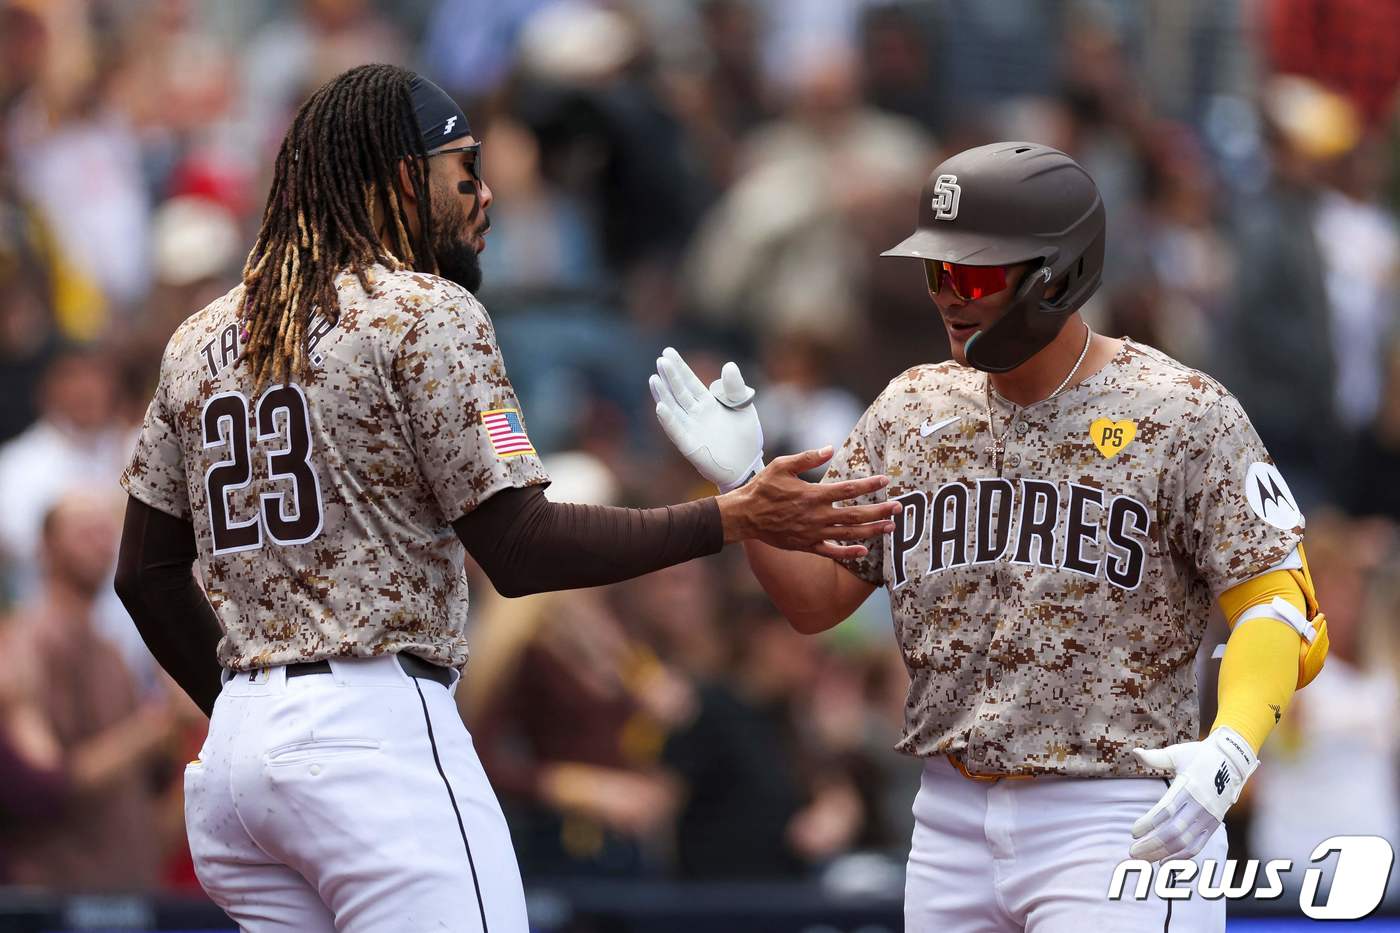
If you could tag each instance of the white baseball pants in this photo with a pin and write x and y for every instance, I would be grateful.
(351, 801)
(1036, 856)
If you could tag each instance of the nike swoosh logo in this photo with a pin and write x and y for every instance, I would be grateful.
(926, 428)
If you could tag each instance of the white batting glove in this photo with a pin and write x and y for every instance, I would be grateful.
(717, 428)
(1209, 777)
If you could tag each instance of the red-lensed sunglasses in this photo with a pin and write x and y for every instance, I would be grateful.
(968, 282)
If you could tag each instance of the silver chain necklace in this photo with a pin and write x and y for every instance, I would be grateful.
(991, 423)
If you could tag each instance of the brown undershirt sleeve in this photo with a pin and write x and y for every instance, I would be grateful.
(155, 580)
(527, 544)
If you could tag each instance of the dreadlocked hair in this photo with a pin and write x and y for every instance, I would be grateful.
(336, 171)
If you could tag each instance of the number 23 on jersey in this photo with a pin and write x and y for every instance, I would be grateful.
(284, 438)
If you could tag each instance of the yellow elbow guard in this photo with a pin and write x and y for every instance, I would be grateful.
(1289, 597)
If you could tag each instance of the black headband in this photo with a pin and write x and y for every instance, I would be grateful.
(440, 120)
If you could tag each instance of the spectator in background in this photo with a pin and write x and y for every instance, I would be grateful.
(990, 51)
(79, 162)
(589, 87)
(721, 93)
(762, 800)
(32, 789)
(76, 443)
(1187, 56)
(1373, 490)
(801, 408)
(554, 311)
(112, 744)
(304, 46)
(782, 250)
(79, 442)
(1276, 351)
(887, 782)
(1360, 250)
(196, 249)
(1176, 275)
(687, 640)
(584, 789)
(174, 79)
(899, 69)
(28, 326)
(541, 238)
(470, 45)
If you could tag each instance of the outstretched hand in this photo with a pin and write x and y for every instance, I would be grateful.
(1209, 776)
(780, 508)
(715, 428)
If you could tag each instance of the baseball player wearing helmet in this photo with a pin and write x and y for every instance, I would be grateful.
(1069, 506)
(325, 440)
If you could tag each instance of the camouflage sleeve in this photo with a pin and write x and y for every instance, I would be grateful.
(468, 432)
(155, 474)
(1232, 512)
(863, 454)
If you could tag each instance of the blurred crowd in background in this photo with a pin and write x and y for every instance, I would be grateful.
(717, 175)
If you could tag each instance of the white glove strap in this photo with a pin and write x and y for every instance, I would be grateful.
(1217, 775)
(752, 471)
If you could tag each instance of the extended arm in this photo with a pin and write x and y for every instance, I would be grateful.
(1277, 643)
(156, 583)
(527, 544)
(812, 592)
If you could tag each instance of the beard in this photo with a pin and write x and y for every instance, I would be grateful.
(457, 260)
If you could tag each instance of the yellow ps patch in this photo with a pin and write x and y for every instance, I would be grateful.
(1110, 437)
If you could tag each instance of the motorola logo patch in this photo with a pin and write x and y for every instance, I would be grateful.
(1270, 498)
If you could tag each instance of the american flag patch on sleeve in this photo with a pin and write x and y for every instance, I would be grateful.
(507, 433)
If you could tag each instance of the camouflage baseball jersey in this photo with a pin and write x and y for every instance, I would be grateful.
(323, 509)
(1049, 614)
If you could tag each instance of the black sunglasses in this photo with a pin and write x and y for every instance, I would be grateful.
(473, 165)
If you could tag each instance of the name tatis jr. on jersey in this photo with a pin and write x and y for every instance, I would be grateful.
(992, 519)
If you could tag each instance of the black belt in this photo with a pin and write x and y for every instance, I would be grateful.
(412, 665)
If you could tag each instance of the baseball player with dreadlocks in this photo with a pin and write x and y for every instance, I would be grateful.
(1069, 507)
(325, 440)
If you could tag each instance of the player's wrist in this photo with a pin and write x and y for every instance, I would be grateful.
(1236, 748)
(734, 514)
(1221, 767)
